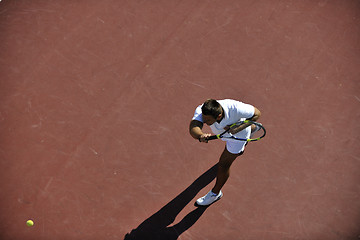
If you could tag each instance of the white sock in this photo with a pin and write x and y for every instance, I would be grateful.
(213, 194)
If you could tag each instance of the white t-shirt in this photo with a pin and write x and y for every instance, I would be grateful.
(234, 111)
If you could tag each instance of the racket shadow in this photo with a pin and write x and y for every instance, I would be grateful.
(156, 227)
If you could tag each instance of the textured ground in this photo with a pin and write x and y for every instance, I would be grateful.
(96, 98)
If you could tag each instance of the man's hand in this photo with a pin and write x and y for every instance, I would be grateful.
(203, 137)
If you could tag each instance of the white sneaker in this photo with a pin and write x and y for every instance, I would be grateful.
(209, 198)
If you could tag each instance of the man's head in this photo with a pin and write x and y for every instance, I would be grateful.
(211, 111)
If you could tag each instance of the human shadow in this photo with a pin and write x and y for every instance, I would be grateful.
(156, 227)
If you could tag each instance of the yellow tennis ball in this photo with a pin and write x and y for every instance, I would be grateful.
(29, 223)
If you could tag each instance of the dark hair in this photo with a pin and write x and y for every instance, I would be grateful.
(211, 107)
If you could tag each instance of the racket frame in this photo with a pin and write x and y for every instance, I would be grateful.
(218, 136)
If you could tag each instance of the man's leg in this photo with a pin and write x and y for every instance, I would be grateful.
(226, 159)
(223, 173)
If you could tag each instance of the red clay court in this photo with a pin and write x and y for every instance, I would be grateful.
(96, 98)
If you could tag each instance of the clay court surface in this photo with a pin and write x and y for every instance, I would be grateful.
(96, 98)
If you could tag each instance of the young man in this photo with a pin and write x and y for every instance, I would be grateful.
(219, 115)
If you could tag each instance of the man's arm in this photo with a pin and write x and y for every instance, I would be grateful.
(254, 118)
(195, 129)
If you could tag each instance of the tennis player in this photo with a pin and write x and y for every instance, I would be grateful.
(219, 115)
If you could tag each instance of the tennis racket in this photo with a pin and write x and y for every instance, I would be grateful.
(258, 134)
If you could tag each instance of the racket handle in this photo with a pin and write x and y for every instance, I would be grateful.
(212, 137)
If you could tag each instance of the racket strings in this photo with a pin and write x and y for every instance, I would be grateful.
(256, 131)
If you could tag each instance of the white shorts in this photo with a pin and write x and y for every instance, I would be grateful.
(235, 147)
